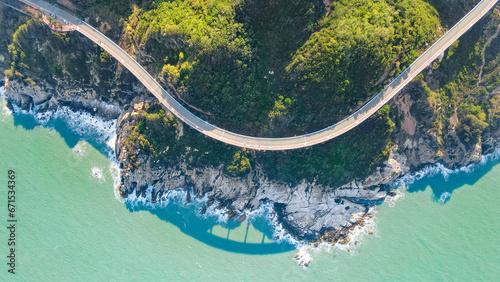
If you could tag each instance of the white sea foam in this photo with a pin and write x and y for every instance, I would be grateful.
(306, 252)
(438, 168)
(391, 201)
(114, 171)
(86, 125)
(265, 211)
(97, 173)
(135, 200)
(303, 257)
(280, 235)
(112, 141)
(445, 197)
(80, 148)
(83, 123)
(4, 111)
(219, 215)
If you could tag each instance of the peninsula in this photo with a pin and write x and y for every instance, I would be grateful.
(403, 83)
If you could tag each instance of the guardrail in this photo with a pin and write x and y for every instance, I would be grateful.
(264, 143)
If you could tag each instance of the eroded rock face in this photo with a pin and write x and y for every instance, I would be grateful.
(417, 144)
(59, 66)
(307, 210)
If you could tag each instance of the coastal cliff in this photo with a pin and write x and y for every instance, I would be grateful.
(305, 209)
(447, 116)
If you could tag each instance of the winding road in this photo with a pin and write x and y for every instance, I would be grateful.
(270, 143)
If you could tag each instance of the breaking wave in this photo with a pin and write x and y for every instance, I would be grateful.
(445, 197)
(84, 125)
(4, 111)
(436, 169)
(97, 173)
(82, 128)
(178, 197)
(307, 252)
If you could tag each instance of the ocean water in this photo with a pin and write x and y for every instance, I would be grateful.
(72, 225)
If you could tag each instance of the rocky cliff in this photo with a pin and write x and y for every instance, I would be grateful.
(46, 67)
(63, 69)
(306, 209)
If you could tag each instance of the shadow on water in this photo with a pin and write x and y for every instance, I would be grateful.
(186, 217)
(70, 136)
(253, 236)
(444, 184)
(248, 237)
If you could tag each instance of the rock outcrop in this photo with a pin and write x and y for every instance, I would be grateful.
(308, 210)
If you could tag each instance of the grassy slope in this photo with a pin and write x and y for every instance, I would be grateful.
(460, 93)
(280, 68)
(237, 62)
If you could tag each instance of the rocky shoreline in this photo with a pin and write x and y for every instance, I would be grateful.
(309, 211)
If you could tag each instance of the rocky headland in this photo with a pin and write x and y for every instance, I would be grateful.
(68, 70)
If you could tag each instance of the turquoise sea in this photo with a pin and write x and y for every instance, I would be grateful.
(73, 227)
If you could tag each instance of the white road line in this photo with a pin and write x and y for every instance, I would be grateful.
(254, 142)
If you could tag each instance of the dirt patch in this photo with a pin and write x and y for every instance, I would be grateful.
(408, 122)
(67, 4)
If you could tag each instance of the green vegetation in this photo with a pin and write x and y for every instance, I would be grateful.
(351, 155)
(149, 119)
(200, 47)
(170, 142)
(245, 62)
(240, 164)
(471, 128)
(273, 68)
(114, 10)
(451, 11)
(336, 162)
(279, 68)
(463, 102)
(339, 65)
(18, 56)
(38, 55)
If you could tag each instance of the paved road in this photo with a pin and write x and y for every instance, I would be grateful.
(271, 143)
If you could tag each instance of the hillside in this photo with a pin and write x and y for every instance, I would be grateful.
(271, 68)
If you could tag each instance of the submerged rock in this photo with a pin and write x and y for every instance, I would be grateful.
(242, 218)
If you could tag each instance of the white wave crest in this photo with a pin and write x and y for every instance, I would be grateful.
(115, 171)
(303, 257)
(219, 215)
(307, 252)
(439, 168)
(445, 197)
(391, 201)
(5, 112)
(82, 123)
(80, 148)
(97, 173)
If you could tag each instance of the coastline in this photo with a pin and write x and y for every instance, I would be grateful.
(151, 241)
(213, 207)
(307, 210)
(341, 230)
(350, 236)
